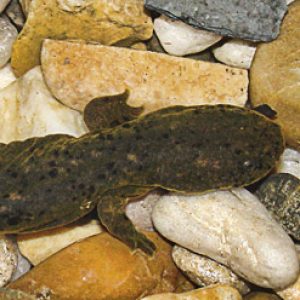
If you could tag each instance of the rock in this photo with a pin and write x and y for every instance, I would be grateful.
(141, 72)
(204, 271)
(74, 5)
(23, 267)
(292, 292)
(29, 110)
(101, 267)
(25, 6)
(288, 2)
(106, 22)
(8, 34)
(178, 38)
(275, 76)
(217, 292)
(280, 194)
(250, 20)
(261, 296)
(8, 260)
(15, 13)
(37, 247)
(6, 76)
(228, 226)
(140, 211)
(139, 46)
(154, 44)
(290, 162)
(9, 294)
(3, 4)
(236, 53)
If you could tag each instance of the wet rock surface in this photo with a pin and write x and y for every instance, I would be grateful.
(253, 20)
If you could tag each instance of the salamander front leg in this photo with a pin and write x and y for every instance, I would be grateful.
(111, 211)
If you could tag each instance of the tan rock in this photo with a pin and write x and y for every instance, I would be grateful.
(103, 21)
(6, 76)
(275, 75)
(39, 246)
(9, 294)
(101, 267)
(205, 272)
(155, 80)
(261, 296)
(217, 292)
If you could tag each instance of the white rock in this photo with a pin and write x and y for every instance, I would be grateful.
(28, 109)
(204, 271)
(8, 260)
(3, 4)
(289, 162)
(37, 247)
(6, 76)
(140, 211)
(23, 267)
(8, 34)
(74, 5)
(178, 38)
(233, 228)
(236, 53)
(289, 1)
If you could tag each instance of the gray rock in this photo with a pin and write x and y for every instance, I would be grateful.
(8, 34)
(253, 20)
(15, 13)
(3, 4)
(280, 194)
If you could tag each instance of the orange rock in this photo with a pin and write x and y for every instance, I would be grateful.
(102, 267)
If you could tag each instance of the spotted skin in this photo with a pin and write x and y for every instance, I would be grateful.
(51, 181)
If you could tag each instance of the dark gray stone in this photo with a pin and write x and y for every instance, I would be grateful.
(280, 194)
(255, 20)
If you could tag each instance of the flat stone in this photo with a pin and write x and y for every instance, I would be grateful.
(275, 76)
(106, 22)
(37, 247)
(8, 259)
(180, 39)
(102, 267)
(251, 20)
(154, 80)
(236, 53)
(217, 292)
(204, 271)
(29, 110)
(8, 34)
(233, 228)
(289, 162)
(280, 194)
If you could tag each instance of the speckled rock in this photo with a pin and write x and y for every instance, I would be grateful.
(9, 294)
(15, 13)
(204, 271)
(8, 34)
(228, 227)
(252, 19)
(178, 38)
(28, 109)
(236, 53)
(275, 76)
(6, 76)
(280, 194)
(290, 162)
(140, 211)
(217, 292)
(101, 267)
(37, 247)
(106, 22)
(3, 4)
(8, 260)
(142, 72)
(261, 296)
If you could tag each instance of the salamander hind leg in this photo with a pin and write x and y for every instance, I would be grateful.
(111, 211)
